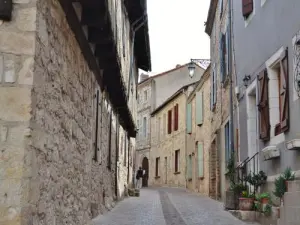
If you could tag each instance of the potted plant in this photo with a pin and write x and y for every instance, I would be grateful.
(280, 189)
(264, 200)
(246, 201)
(288, 175)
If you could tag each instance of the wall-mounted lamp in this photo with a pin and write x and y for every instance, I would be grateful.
(246, 80)
(5, 10)
(192, 65)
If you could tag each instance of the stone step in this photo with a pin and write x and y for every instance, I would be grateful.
(294, 186)
(292, 214)
(292, 198)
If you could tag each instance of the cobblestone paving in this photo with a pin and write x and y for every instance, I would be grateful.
(168, 206)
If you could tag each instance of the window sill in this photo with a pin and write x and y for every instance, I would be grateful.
(157, 177)
(177, 173)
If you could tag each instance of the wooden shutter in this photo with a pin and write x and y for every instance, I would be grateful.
(169, 121)
(176, 117)
(211, 91)
(284, 90)
(189, 118)
(176, 161)
(263, 106)
(222, 53)
(199, 108)
(200, 160)
(247, 7)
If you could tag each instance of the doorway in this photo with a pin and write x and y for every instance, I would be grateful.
(145, 166)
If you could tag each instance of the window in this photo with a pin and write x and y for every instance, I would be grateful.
(146, 95)
(222, 55)
(199, 108)
(199, 146)
(157, 166)
(247, 8)
(96, 127)
(158, 128)
(177, 161)
(145, 126)
(176, 117)
(213, 92)
(227, 142)
(273, 103)
(169, 121)
(189, 168)
(164, 125)
(189, 118)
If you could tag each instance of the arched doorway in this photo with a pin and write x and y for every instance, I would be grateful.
(145, 166)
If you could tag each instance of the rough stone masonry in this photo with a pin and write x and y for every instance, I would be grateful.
(47, 172)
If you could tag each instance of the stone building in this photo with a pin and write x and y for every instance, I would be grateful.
(197, 139)
(168, 141)
(217, 26)
(152, 92)
(68, 101)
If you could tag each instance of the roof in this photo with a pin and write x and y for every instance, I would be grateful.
(200, 83)
(211, 16)
(170, 71)
(137, 10)
(175, 95)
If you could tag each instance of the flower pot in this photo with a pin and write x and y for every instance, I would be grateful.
(264, 201)
(246, 204)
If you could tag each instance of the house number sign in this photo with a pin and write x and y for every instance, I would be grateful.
(5, 10)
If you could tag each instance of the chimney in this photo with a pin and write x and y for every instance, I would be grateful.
(144, 77)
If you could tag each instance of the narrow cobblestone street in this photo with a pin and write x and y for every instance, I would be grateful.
(168, 206)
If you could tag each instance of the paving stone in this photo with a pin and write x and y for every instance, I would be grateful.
(168, 206)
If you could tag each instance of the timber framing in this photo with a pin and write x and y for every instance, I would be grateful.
(91, 23)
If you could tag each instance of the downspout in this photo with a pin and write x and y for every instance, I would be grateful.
(230, 78)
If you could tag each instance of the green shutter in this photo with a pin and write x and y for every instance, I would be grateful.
(199, 108)
(189, 118)
(200, 160)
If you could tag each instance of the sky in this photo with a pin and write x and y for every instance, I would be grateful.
(176, 29)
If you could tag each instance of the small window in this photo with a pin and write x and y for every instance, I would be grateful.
(190, 168)
(177, 161)
(157, 166)
(169, 121)
(146, 95)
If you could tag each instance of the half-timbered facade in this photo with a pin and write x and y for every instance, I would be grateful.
(68, 78)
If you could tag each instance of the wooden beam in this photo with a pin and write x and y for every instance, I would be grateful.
(81, 39)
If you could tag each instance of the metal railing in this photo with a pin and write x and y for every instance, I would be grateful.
(248, 167)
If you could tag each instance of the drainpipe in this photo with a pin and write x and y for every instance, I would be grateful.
(230, 78)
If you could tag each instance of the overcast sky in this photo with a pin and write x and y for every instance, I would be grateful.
(177, 32)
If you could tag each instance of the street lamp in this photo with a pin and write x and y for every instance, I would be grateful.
(192, 67)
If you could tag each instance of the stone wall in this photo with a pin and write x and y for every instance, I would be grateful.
(165, 146)
(17, 50)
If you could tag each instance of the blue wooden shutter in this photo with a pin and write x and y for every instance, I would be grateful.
(227, 51)
(221, 56)
(199, 108)
(215, 86)
(200, 160)
(189, 118)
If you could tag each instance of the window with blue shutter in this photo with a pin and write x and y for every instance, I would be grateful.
(189, 118)
(211, 91)
(215, 87)
(227, 51)
(200, 160)
(199, 108)
(222, 54)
